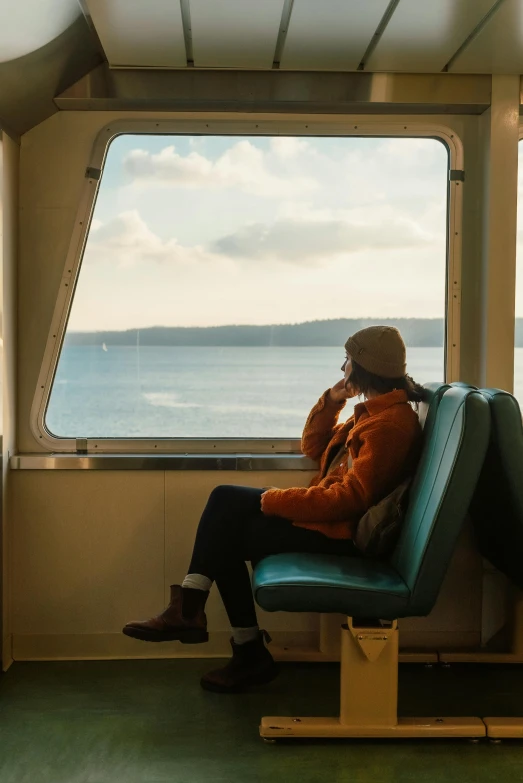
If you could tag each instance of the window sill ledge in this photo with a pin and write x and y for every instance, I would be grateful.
(252, 462)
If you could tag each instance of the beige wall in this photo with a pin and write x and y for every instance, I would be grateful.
(94, 549)
(499, 135)
(10, 152)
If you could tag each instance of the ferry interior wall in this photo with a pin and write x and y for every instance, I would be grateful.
(200, 202)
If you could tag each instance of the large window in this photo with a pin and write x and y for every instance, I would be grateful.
(223, 274)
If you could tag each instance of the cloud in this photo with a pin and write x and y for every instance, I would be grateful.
(300, 236)
(242, 166)
(315, 242)
(289, 146)
(191, 241)
(126, 240)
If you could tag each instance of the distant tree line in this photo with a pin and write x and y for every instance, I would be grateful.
(417, 332)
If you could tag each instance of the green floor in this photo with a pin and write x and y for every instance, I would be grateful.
(149, 722)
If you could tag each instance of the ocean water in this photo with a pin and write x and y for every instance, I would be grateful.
(200, 392)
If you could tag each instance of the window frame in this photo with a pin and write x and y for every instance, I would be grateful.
(512, 388)
(339, 127)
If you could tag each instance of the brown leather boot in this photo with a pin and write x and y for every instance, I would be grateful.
(173, 624)
(251, 664)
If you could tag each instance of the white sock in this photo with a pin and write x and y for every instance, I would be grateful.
(197, 582)
(244, 635)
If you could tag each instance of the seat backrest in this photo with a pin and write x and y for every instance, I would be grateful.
(497, 504)
(427, 409)
(450, 463)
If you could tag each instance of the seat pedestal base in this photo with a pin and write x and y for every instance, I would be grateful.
(504, 728)
(369, 695)
(406, 727)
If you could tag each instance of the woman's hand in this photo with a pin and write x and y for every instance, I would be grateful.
(341, 392)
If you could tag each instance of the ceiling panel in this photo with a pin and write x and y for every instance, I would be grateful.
(235, 33)
(330, 35)
(422, 35)
(138, 33)
(498, 48)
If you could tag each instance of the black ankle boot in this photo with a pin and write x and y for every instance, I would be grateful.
(251, 664)
(182, 621)
(193, 601)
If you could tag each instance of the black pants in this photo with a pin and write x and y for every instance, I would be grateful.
(233, 529)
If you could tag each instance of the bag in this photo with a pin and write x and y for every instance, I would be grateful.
(378, 530)
(334, 459)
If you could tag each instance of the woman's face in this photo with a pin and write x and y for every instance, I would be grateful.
(346, 368)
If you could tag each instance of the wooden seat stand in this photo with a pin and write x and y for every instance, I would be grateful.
(369, 696)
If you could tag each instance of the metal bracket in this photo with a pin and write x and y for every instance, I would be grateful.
(372, 641)
(456, 174)
(81, 445)
(92, 173)
(372, 645)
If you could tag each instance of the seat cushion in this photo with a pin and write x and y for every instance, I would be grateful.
(330, 583)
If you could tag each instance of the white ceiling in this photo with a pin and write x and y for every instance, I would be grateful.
(474, 36)
(423, 35)
(330, 35)
(498, 48)
(141, 34)
(235, 33)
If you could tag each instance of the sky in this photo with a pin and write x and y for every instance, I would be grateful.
(211, 230)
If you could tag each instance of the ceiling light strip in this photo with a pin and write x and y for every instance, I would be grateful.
(380, 29)
(282, 34)
(187, 31)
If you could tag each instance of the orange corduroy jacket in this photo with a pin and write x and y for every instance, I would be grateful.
(383, 438)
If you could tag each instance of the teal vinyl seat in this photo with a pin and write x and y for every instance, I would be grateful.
(456, 434)
(428, 407)
(497, 505)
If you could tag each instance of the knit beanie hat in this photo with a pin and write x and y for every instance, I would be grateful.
(380, 350)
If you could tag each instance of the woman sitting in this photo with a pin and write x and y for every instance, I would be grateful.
(361, 462)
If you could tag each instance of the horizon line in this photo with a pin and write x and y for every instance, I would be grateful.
(233, 325)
